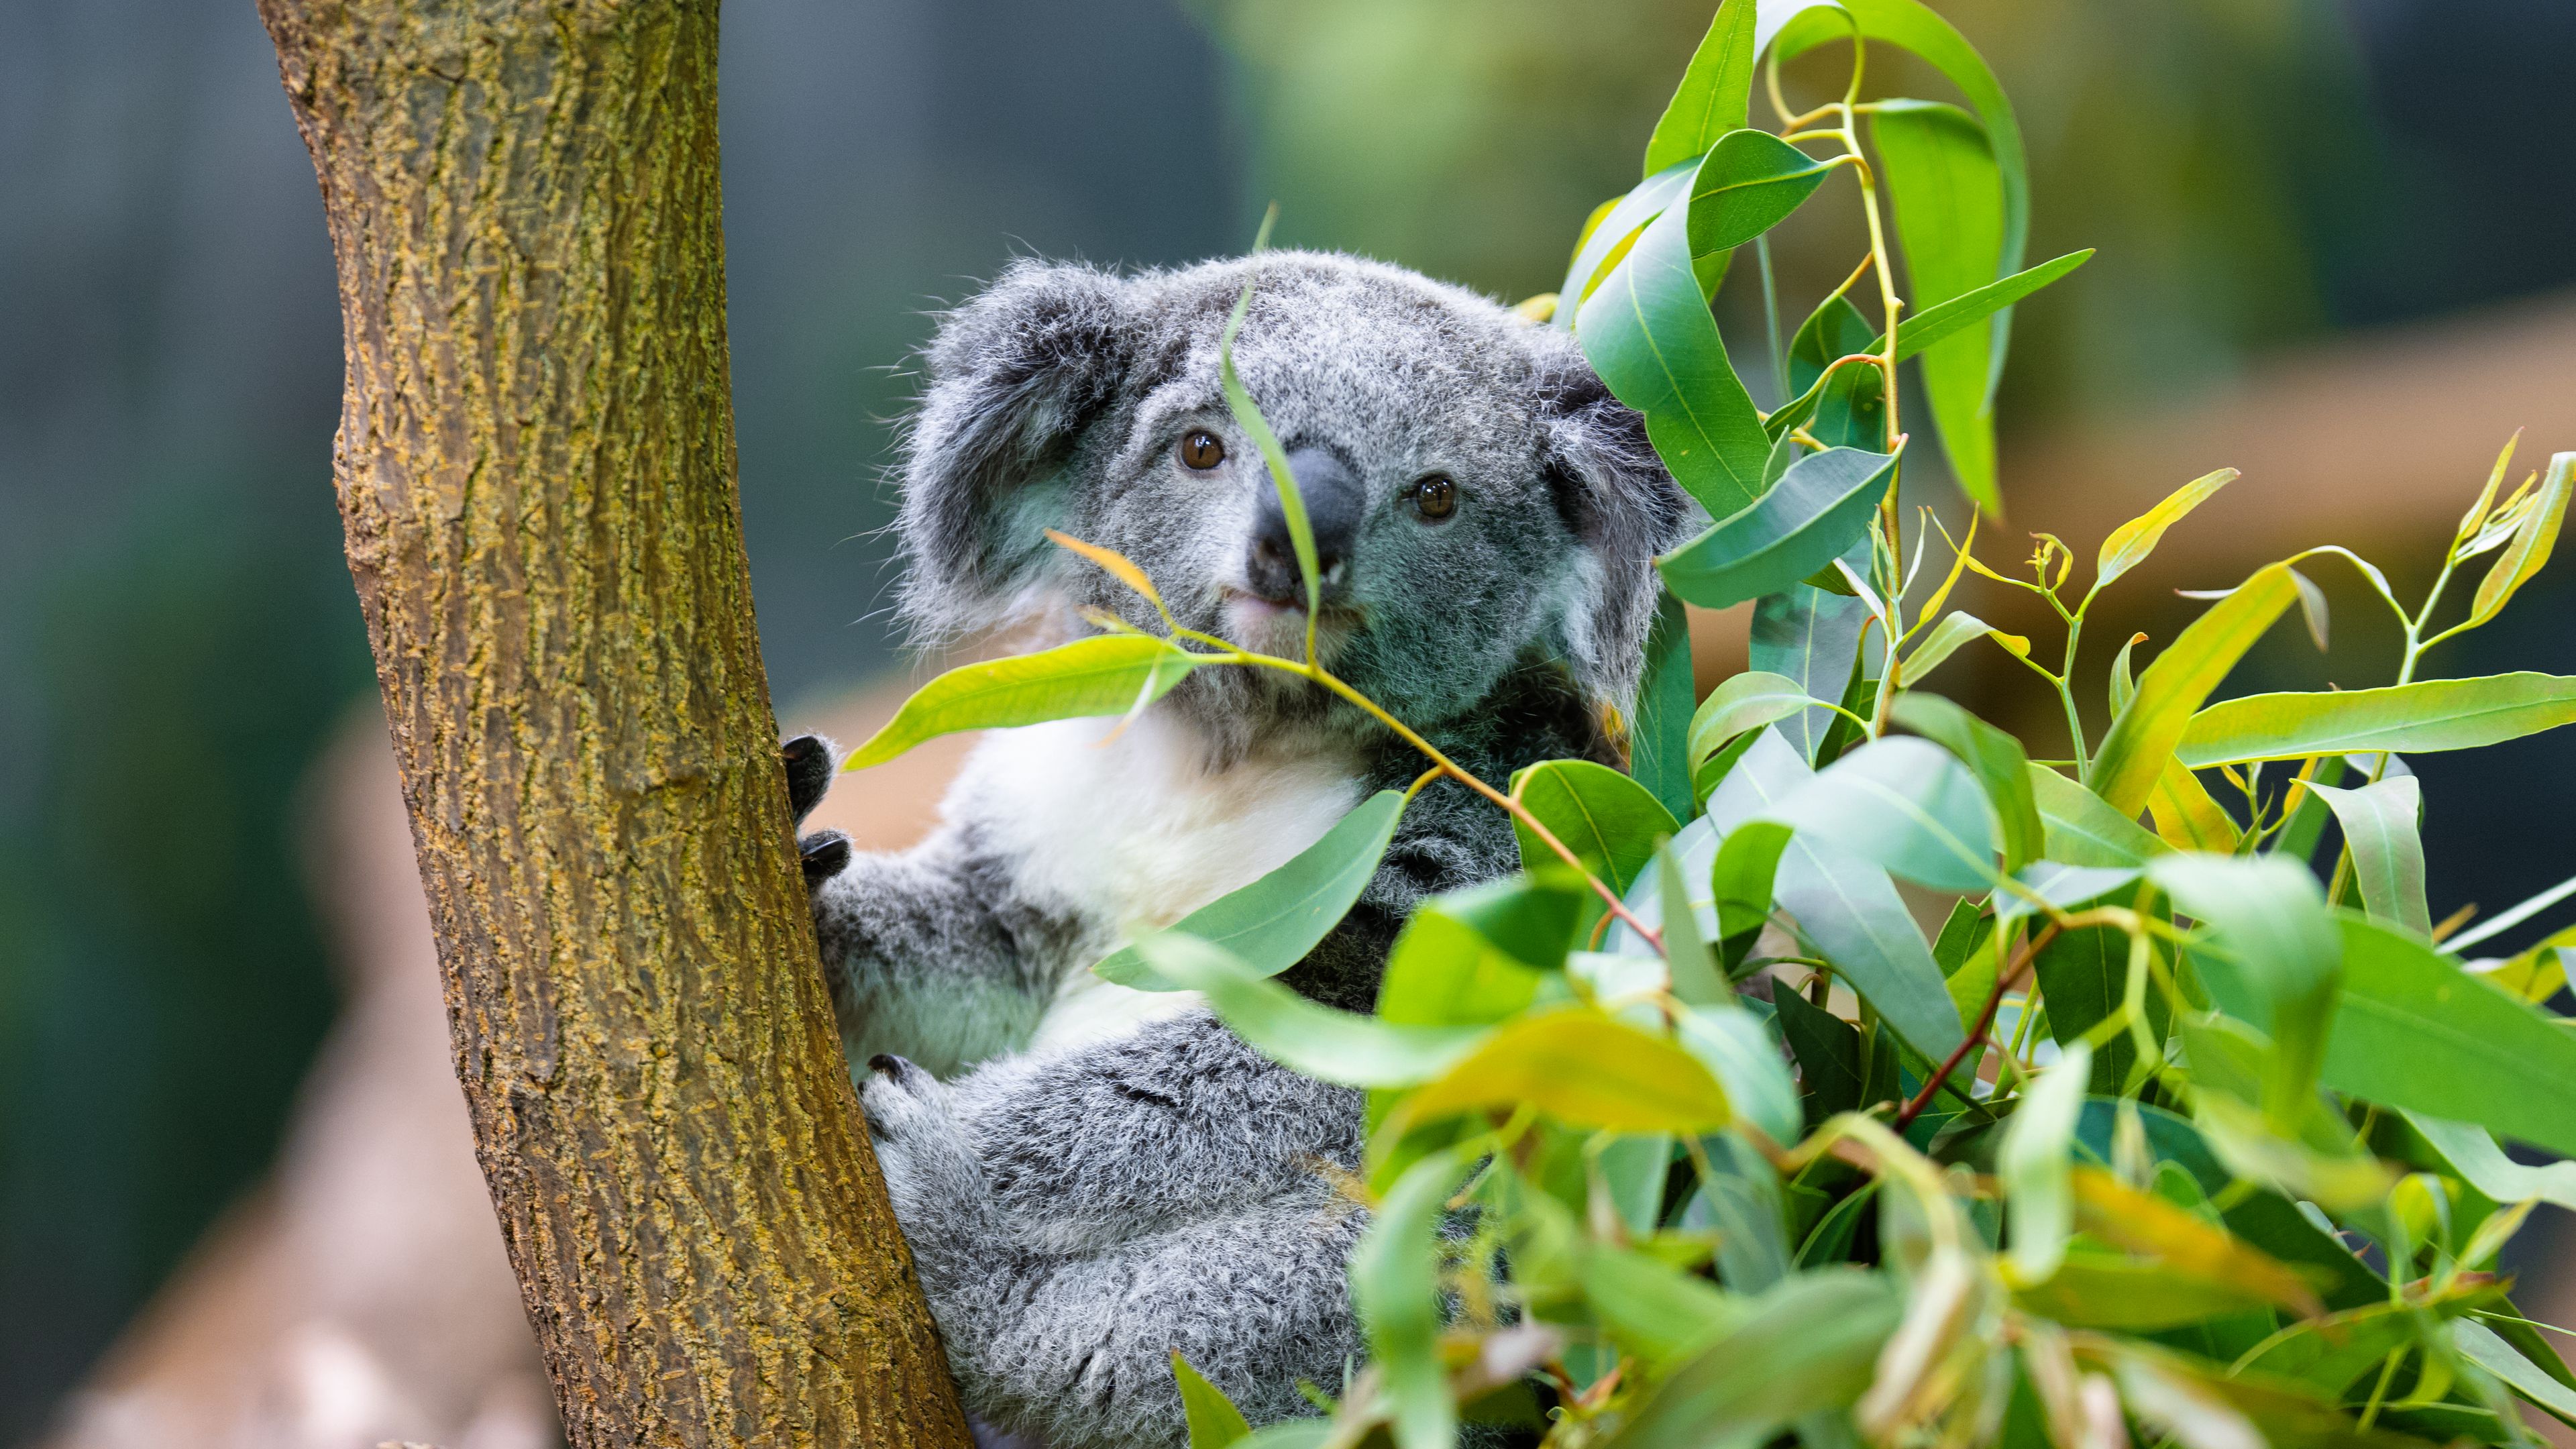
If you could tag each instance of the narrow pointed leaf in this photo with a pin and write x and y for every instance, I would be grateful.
(1904, 804)
(2185, 815)
(1695, 977)
(1744, 1055)
(1810, 517)
(1659, 755)
(1335, 1046)
(1746, 701)
(1272, 923)
(1609, 238)
(1292, 501)
(2131, 542)
(1811, 636)
(1584, 1068)
(2431, 714)
(1712, 99)
(2032, 1162)
(2271, 957)
(2530, 546)
(1106, 675)
(1810, 1344)
(1214, 1421)
(1395, 1286)
(2387, 854)
(2143, 737)
(1956, 628)
(2475, 1157)
(1648, 332)
(1948, 199)
(2082, 830)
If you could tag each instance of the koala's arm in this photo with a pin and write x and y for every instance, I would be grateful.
(928, 951)
(1076, 1218)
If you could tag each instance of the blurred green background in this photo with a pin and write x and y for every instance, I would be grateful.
(177, 634)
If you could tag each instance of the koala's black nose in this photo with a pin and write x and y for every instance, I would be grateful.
(1334, 503)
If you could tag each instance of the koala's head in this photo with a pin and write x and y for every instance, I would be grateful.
(1476, 495)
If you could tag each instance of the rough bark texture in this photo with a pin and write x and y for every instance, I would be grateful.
(536, 471)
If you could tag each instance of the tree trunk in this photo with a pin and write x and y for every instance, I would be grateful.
(535, 467)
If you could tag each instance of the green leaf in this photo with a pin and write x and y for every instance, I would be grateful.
(2387, 855)
(1998, 763)
(1809, 1343)
(1814, 513)
(1735, 1045)
(2032, 1162)
(1649, 334)
(1812, 637)
(1272, 923)
(1712, 98)
(1532, 917)
(2414, 1032)
(1925, 328)
(2485, 1348)
(2084, 975)
(2124, 680)
(1845, 904)
(1745, 702)
(2476, 1158)
(1395, 1285)
(1654, 1310)
(1740, 1198)
(1659, 757)
(1914, 26)
(2529, 548)
(1740, 882)
(1582, 1067)
(1948, 199)
(1444, 972)
(2271, 958)
(1610, 822)
(1751, 180)
(1956, 628)
(1695, 977)
(2082, 830)
(1904, 804)
(2143, 736)
(1334, 1046)
(2185, 815)
(1836, 329)
(1292, 500)
(1828, 1052)
(1608, 240)
(2131, 542)
(1104, 675)
(2429, 715)
(1213, 1419)
(2094, 1289)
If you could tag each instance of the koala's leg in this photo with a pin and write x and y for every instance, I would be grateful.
(932, 952)
(1061, 1323)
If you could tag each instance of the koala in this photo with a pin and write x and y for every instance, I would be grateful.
(1092, 1178)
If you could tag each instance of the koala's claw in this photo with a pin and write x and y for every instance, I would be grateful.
(823, 854)
(810, 761)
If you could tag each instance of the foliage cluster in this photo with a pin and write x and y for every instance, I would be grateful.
(1690, 1135)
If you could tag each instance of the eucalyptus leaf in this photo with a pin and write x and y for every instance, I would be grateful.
(2476, 1158)
(1608, 239)
(1272, 923)
(1948, 198)
(1395, 1286)
(1997, 761)
(1904, 804)
(2032, 1163)
(2142, 738)
(1659, 754)
(1813, 637)
(1712, 99)
(1582, 1067)
(1610, 822)
(2185, 816)
(1647, 331)
(2428, 715)
(2082, 830)
(1108, 674)
(1321, 1041)
(2529, 548)
(2272, 958)
(1214, 1422)
(1749, 183)
(1811, 516)
(1809, 1343)
(2415, 1033)
(1734, 1044)
(2387, 854)
(1744, 702)
(1955, 629)
(2131, 542)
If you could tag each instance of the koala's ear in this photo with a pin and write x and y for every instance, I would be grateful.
(1622, 505)
(1014, 376)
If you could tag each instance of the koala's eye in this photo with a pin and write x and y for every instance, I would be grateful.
(1435, 497)
(1201, 451)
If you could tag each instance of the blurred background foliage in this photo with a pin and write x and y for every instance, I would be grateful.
(177, 635)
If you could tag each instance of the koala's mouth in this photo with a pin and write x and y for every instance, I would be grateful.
(1275, 628)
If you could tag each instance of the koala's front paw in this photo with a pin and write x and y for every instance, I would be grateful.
(810, 761)
(929, 1164)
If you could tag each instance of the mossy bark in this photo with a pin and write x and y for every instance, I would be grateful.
(535, 467)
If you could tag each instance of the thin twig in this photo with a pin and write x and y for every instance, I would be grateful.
(1985, 1021)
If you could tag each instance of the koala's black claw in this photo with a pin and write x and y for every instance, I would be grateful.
(809, 773)
(823, 854)
(886, 1065)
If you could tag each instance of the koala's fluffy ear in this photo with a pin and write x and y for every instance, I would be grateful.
(1616, 496)
(1014, 376)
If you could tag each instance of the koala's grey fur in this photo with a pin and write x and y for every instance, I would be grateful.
(1081, 1207)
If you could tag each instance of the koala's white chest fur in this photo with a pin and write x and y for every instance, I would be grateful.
(1135, 833)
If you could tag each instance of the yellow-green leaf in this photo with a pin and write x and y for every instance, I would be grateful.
(1583, 1067)
(2185, 815)
(2532, 541)
(2143, 737)
(2418, 718)
(1106, 675)
(1949, 204)
(1213, 1419)
(2131, 542)
(1712, 97)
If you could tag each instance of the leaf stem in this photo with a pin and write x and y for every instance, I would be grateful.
(1985, 1022)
